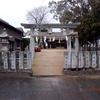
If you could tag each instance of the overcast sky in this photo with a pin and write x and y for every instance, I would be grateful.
(14, 11)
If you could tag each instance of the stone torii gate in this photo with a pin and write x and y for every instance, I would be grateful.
(67, 28)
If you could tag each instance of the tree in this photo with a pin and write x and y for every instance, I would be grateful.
(89, 29)
(70, 10)
(38, 15)
(26, 42)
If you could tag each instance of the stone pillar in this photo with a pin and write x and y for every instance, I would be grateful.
(66, 32)
(69, 50)
(32, 44)
(76, 44)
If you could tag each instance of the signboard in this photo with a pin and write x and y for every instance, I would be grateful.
(73, 65)
(94, 64)
(80, 59)
(20, 62)
(13, 60)
(66, 60)
(87, 59)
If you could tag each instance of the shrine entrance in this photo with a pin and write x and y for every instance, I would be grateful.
(50, 61)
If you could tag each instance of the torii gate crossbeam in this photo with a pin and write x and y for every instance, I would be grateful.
(72, 25)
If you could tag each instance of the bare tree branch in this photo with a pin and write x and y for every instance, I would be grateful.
(38, 15)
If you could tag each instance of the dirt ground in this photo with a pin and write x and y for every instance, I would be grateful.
(48, 62)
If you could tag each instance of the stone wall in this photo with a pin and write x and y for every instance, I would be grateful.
(84, 60)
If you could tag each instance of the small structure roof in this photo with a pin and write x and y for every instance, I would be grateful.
(7, 24)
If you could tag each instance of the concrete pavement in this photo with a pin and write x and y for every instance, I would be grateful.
(50, 88)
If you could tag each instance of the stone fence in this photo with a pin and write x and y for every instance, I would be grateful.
(86, 61)
(15, 61)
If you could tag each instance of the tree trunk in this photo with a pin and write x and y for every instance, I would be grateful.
(89, 46)
(93, 46)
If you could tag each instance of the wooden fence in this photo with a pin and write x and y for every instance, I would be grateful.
(15, 61)
(86, 61)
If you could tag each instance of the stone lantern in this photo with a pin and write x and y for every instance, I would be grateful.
(4, 40)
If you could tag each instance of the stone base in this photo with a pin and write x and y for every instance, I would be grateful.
(80, 72)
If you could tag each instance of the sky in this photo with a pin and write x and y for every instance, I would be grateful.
(14, 11)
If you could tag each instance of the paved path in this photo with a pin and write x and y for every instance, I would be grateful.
(49, 62)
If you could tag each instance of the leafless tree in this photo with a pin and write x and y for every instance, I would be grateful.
(38, 15)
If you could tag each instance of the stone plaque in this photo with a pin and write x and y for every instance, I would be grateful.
(29, 66)
(94, 64)
(73, 64)
(13, 60)
(98, 58)
(87, 59)
(66, 60)
(5, 60)
(20, 62)
(80, 59)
